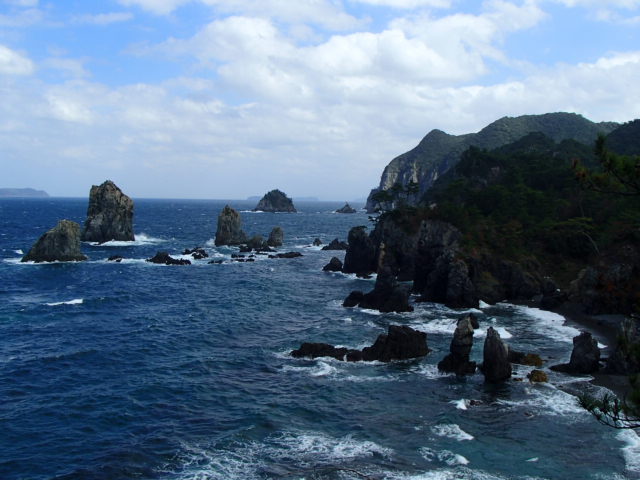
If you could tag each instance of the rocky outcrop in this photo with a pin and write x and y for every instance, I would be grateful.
(275, 201)
(115, 258)
(353, 299)
(276, 237)
(361, 253)
(458, 359)
(198, 253)
(625, 358)
(537, 376)
(334, 244)
(317, 242)
(400, 343)
(334, 265)
(387, 295)
(346, 209)
(585, 356)
(439, 151)
(60, 244)
(229, 231)
(286, 255)
(109, 215)
(611, 285)
(163, 258)
(495, 365)
(521, 358)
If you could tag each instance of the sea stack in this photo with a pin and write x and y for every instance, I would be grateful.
(346, 209)
(275, 201)
(229, 231)
(60, 244)
(495, 367)
(276, 237)
(458, 360)
(109, 216)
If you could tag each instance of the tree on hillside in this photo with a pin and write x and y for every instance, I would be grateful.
(618, 174)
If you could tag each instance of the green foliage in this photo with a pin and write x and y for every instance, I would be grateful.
(613, 412)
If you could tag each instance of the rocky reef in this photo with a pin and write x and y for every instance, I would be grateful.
(400, 343)
(109, 215)
(275, 201)
(163, 258)
(60, 244)
(229, 231)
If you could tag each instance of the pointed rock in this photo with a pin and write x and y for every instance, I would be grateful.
(458, 360)
(276, 237)
(109, 215)
(229, 231)
(495, 367)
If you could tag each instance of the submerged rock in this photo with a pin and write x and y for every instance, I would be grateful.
(229, 231)
(115, 258)
(521, 358)
(495, 366)
(335, 244)
(109, 215)
(275, 201)
(286, 255)
(400, 343)
(334, 265)
(317, 242)
(346, 209)
(276, 237)
(163, 258)
(537, 376)
(198, 253)
(60, 244)
(585, 356)
(458, 360)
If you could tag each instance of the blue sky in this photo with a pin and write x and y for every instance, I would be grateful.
(232, 98)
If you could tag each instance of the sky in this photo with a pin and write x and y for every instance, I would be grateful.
(228, 99)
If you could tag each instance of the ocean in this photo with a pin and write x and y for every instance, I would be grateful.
(138, 371)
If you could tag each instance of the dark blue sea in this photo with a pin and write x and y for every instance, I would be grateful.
(137, 371)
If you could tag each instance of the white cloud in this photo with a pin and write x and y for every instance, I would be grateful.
(14, 63)
(70, 67)
(629, 4)
(103, 18)
(23, 3)
(409, 4)
(159, 7)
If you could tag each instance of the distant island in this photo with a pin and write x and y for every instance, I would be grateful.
(256, 198)
(22, 193)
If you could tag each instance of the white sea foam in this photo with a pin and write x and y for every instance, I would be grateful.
(75, 301)
(545, 399)
(462, 404)
(631, 450)
(553, 322)
(533, 460)
(484, 304)
(140, 239)
(451, 430)
(445, 456)
(19, 252)
(482, 332)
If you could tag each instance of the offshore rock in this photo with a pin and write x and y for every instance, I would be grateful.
(585, 356)
(334, 265)
(163, 258)
(317, 242)
(115, 258)
(400, 343)
(521, 358)
(495, 366)
(537, 376)
(198, 253)
(286, 255)
(275, 201)
(60, 244)
(387, 295)
(361, 253)
(229, 231)
(276, 237)
(346, 209)
(109, 215)
(335, 244)
(353, 299)
(458, 360)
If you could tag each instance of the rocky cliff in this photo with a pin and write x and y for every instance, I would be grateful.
(409, 176)
(60, 244)
(109, 216)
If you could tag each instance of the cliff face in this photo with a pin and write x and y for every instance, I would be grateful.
(109, 216)
(438, 151)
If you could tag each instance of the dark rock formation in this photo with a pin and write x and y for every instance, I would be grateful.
(115, 258)
(335, 244)
(229, 231)
(286, 255)
(495, 366)
(474, 321)
(275, 201)
(163, 258)
(60, 244)
(361, 253)
(257, 243)
(353, 299)
(400, 343)
(537, 376)
(317, 242)
(458, 360)
(521, 358)
(198, 253)
(585, 356)
(346, 209)
(334, 265)
(387, 295)
(276, 237)
(625, 359)
(109, 215)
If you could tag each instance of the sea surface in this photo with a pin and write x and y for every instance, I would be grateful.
(138, 371)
